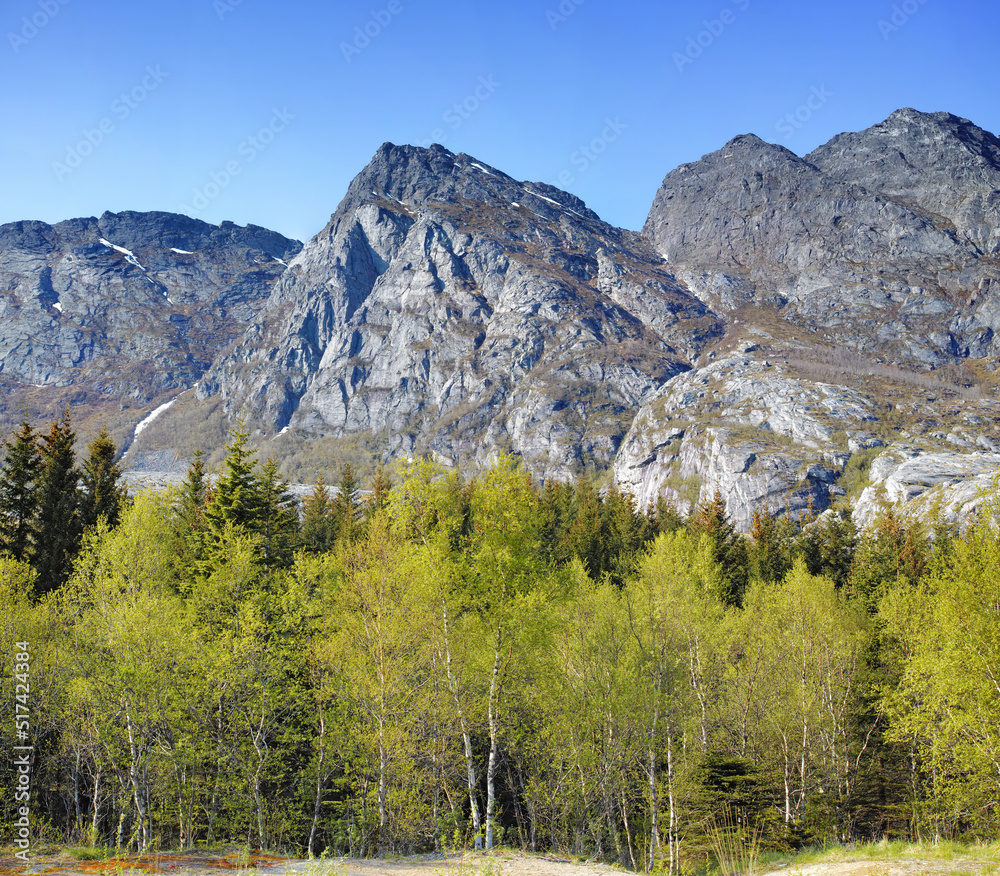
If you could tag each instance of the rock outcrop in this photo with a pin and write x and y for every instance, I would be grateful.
(944, 487)
(762, 438)
(883, 240)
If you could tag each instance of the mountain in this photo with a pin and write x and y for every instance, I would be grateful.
(113, 314)
(790, 331)
(860, 290)
(448, 308)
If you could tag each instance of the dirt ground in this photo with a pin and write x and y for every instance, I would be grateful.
(503, 864)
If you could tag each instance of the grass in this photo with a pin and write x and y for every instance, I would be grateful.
(735, 844)
(889, 851)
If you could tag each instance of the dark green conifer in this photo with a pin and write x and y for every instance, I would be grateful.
(103, 493)
(346, 505)
(277, 518)
(319, 527)
(712, 519)
(236, 496)
(58, 526)
(19, 491)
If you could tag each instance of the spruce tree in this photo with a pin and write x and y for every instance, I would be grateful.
(319, 527)
(190, 507)
(103, 494)
(379, 498)
(19, 491)
(345, 505)
(57, 530)
(236, 496)
(728, 547)
(277, 519)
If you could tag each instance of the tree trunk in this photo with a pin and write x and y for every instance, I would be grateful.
(470, 763)
(136, 777)
(491, 767)
(94, 823)
(319, 785)
(674, 858)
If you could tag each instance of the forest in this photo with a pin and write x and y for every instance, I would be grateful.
(440, 661)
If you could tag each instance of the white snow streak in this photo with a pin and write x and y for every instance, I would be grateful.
(181, 251)
(152, 415)
(483, 169)
(129, 255)
(530, 192)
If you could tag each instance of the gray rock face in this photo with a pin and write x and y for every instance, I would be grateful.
(951, 486)
(931, 162)
(131, 304)
(764, 439)
(884, 240)
(448, 308)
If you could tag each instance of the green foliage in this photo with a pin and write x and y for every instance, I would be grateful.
(947, 702)
(57, 525)
(19, 492)
(103, 495)
(728, 548)
(470, 661)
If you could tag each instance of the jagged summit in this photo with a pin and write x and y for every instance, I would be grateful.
(121, 310)
(934, 162)
(419, 176)
(449, 307)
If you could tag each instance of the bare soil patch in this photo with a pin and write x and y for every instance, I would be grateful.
(467, 864)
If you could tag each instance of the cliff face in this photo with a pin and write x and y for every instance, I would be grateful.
(449, 308)
(786, 330)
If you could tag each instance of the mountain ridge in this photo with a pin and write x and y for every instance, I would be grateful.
(776, 316)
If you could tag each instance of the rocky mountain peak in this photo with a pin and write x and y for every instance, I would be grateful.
(933, 162)
(418, 177)
(777, 316)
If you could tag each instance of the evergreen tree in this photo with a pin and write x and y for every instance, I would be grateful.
(19, 491)
(319, 527)
(379, 498)
(190, 507)
(277, 520)
(770, 555)
(236, 496)
(584, 536)
(623, 534)
(891, 550)
(729, 548)
(346, 506)
(103, 494)
(58, 526)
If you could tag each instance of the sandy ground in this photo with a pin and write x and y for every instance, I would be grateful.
(502, 864)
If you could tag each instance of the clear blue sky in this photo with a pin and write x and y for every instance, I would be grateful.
(259, 111)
